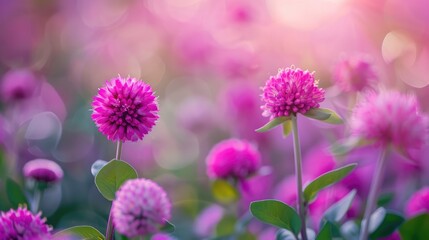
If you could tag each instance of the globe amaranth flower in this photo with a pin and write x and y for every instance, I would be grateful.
(125, 109)
(418, 203)
(290, 92)
(354, 74)
(43, 170)
(24, 225)
(233, 158)
(141, 207)
(390, 117)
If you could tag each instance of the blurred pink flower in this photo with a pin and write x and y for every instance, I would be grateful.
(43, 170)
(22, 224)
(233, 158)
(291, 91)
(18, 84)
(141, 207)
(318, 162)
(390, 117)
(354, 74)
(125, 109)
(418, 203)
(205, 223)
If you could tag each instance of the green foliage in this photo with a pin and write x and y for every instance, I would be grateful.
(324, 115)
(328, 231)
(15, 193)
(416, 228)
(284, 234)
(83, 232)
(224, 192)
(276, 213)
(272, 124)
(338, 210)
(168, 227)
(390, 222)
(287, 128)
(226, 226)
(325, 180)
(112, 175)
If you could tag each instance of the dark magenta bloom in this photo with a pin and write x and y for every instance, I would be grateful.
(43, 170)
(125, 109)
(23, 225)
(289, 92)
(233, 158)
(141, 207)
(18, 84)
(418, 203)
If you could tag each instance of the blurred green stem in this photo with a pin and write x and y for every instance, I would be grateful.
(110, 233)
(37, 197)
(372, 198)
(298, 172)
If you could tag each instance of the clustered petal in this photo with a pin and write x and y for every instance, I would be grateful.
(354, 74)
(233, 158)
(141, 207)
(23, 225)
(418, 203)
(290, 92)
(125, 109)
(390, 117)
(43, 170)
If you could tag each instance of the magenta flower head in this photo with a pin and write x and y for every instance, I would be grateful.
(390, 117)
(43, 170)
(418, 203)
(125, 109)
(233, 158)
(354, 74)
(18, 84)
(22, 224)
(141, 207)
(290, 92)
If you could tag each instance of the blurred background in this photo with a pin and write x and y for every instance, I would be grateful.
(206, 61)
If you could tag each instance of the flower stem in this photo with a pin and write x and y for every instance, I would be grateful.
(372, 198)
(298, 172)
(37, 197)
(110, 233)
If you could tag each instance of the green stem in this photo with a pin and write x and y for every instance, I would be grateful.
(298, 172)
(110, 231)
(372, 198)
(37, 197)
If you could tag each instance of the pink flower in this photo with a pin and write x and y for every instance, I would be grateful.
(418, 203)
(233, 158)
(291, 91)
(206, 222)
(390, 118)
(125, 109)
(141, 207)
(18, 84)
(354, 74)
(22, 224)
(43, 170)
(318, 162)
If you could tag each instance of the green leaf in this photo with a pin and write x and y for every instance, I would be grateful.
(324, 115)
(112, 176)
(83, 232)
(287, 128)
(376, 219)
(338, 210)
(284, 234)
(97, 166)
(226, 226)
(344, 146)
(390, 223)
(385, 199)
(224, 192)
(15, 194)
(168, 227)
(272, 124)
(276, 213)
(247, 236)
(325, 232)
(416, 228)
(3, 166)
(350, 230)
(325, 180)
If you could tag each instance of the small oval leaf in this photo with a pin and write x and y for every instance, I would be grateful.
(112, 176)
(325, 180)
(97, 166)
(416, 228)
(388, 225)
(224, 192)
(15, 194)
(338, 210)
(272, 124)
(276, 213)
(168, 227)
(324, 115)
(83, 232)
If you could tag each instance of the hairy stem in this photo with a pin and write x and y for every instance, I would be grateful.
(298, 172)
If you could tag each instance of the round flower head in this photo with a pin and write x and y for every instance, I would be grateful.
(354, 74)
(43, 170)
(22, 224)
(390, 118)
(290, 92)
(18, 84)
(125, 109)
(418, 203)
(141, 207)
(233, 158)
